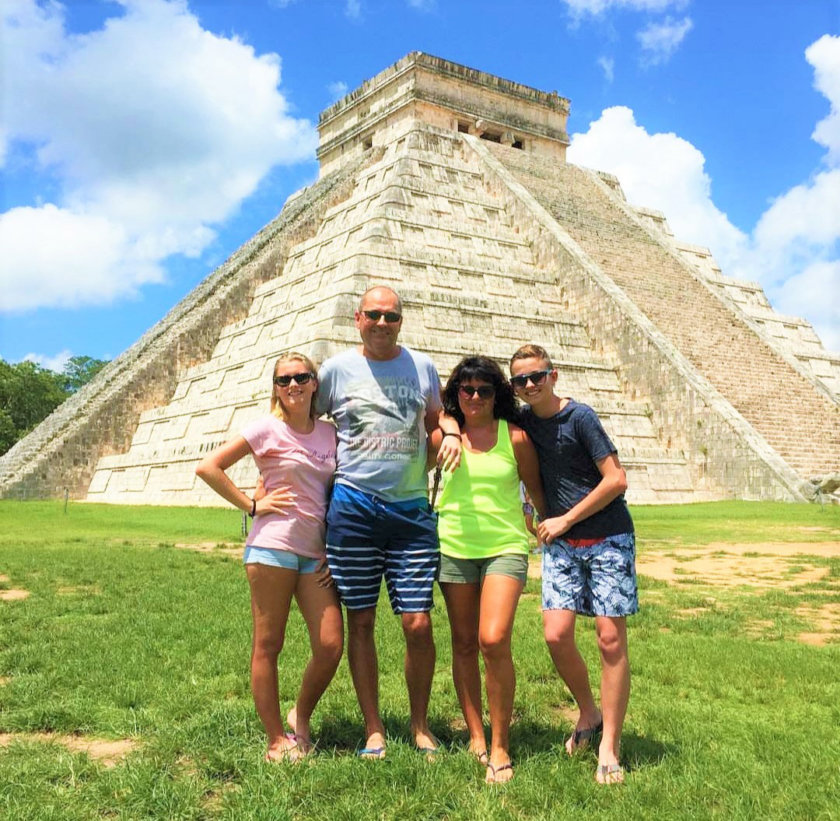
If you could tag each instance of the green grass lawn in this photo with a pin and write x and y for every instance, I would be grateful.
(125, 636)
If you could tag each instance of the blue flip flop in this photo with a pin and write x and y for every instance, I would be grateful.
(371, 753)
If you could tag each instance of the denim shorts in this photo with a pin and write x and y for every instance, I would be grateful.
(596, 580)
(279, 558)
(368, 538)
(473, 571)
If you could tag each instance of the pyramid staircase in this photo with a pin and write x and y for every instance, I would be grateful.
(421, 220)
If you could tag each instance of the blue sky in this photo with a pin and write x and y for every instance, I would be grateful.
(143, 141)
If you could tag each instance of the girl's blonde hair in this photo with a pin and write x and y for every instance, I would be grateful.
(292, 356)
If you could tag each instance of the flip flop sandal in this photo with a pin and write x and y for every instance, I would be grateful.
(606, 772)
(291, 754)
(371, 753)
(582, 738)
(496, 770)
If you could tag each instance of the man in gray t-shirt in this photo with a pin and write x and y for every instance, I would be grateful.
(384, 399)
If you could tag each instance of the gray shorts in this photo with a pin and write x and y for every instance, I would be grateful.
(473, 571)
(598, 580)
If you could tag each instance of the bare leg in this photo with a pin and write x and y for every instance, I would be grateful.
(462, 607)
(271, 597)
(559, 627)
(419, 670)
(615, 687)
(499, 597)
(322, 613)
(364, 668)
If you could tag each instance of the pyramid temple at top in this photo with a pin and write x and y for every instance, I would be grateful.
(451, 186)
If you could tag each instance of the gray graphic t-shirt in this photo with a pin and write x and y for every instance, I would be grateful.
(379, 409)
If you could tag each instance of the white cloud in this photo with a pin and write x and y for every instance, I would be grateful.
(55, 363)
(659, 41)
(596, 7)
(54, 257)
(607, 65)
(824, 56)
(794, 248)
(423, 5)
(337, 90)
(353, 9)
(154, 129)
(814, 293)
(661, 171)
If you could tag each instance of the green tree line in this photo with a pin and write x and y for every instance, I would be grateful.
(30, 393)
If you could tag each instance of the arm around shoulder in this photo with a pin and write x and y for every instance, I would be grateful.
(529, 466)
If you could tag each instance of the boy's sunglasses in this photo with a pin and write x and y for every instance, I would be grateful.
(390, 316)
(484, 392)
(300, 379)
(536, 377)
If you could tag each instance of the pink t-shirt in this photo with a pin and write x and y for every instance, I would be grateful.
(303, 462)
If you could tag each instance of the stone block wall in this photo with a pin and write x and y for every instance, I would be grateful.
(420, 219)
(687, 409)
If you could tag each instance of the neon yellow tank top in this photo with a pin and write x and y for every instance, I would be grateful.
(480, 511)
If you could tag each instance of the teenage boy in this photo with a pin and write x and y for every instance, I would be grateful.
(589, 551)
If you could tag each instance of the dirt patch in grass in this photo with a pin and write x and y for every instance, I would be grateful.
(826, 550)
(4, 680)
(826, 621)
(107, 751)
(13, 595)
(723, 565)
(3, 577)
(761, 566)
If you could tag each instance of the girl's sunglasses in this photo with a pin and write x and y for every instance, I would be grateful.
(484, 392)
(300, 379)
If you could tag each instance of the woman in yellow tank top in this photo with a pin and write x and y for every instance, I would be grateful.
(484, 548)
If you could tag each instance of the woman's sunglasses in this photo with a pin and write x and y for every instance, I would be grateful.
(536, 377)
(300, 379)
(484, 392)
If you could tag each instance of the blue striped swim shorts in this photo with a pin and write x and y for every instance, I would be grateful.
(596, 580)
(368, 538)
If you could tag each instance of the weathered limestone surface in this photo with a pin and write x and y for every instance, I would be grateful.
(758, 383)
(791, 336)
(450, 185)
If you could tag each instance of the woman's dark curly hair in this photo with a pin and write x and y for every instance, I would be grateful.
(483, 369)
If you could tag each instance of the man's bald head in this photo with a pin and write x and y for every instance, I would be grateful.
(378, 291)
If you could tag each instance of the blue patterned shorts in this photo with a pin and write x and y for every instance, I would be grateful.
(599, 580)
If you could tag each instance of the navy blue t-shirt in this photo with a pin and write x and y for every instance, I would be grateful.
(569, 444)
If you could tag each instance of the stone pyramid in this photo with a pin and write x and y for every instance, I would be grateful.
(451, 186)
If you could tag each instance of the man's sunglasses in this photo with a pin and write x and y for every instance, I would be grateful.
(390, 316)
(536, 377)
(300, 379)
(484, 391)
